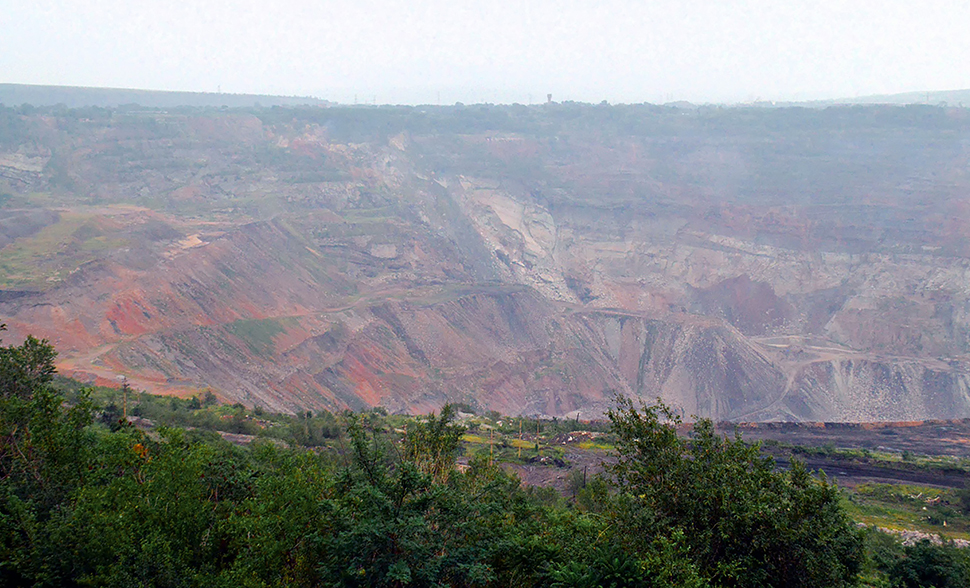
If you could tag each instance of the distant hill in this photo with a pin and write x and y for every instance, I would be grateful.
(950, 97)
(76, 97)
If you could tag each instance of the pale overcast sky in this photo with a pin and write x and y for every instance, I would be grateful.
(493, 50)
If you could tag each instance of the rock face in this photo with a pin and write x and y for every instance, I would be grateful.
(783, 264)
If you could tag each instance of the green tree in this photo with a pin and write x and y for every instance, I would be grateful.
(744, 523)
(927, 565)
(43, 451)
(433, 444)
(393, 524)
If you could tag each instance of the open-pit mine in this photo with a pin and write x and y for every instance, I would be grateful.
(746, 264)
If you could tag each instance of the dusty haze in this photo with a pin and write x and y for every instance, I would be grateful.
(496, 51)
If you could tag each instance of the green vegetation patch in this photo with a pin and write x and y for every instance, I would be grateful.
(369, 215)
(100, 501)
(900, 493)
(258, 334)
(50, 255)
(478, 439)
(595, 445)
(905, 507)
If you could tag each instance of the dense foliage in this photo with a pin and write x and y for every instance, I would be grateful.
(83, 503)
(744, 523)
(921, 564)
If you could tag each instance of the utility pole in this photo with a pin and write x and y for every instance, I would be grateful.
(124, 398)
(538, 449)
(520, 438)
(491, 435)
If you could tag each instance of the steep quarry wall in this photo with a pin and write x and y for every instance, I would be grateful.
(700, 367)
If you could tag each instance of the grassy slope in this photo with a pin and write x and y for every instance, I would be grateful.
(36, 261)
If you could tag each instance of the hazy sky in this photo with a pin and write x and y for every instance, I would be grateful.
(493, 50)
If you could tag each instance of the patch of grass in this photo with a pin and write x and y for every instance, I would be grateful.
(908, 507)
(905, 459)
(369, 215)
(589, 445)
(899, 493)
(258, 334)
(102, 243)
(44, 257)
